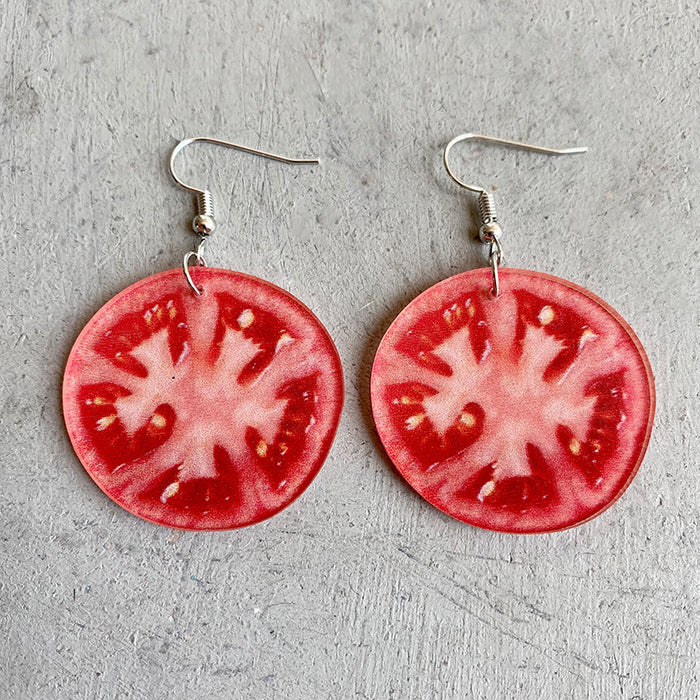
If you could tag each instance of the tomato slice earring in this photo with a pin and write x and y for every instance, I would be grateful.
(509, 399)
(203, 398)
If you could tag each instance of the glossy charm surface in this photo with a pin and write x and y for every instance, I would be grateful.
(529, 412)
(203, 412)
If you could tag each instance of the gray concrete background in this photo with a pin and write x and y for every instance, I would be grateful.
(360, 589)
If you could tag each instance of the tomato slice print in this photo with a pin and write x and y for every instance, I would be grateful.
(203, 412)
(526, 413)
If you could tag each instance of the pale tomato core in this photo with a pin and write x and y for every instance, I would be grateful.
(203, 412)
(526, 413)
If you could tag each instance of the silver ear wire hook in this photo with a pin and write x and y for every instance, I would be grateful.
(204, 222)
(490, 230)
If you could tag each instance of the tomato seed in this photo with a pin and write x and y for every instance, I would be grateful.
(246, 318)
(414, 421)
(104, 422)
(546, 315)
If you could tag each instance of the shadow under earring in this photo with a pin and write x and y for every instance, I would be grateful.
(510, 399)
(202, 398)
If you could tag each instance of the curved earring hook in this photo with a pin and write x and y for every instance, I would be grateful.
(490, 230)
(204, 222)
(228, 144)
(502, 142)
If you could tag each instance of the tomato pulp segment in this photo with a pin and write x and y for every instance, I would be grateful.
(526, 413)
(203, 412)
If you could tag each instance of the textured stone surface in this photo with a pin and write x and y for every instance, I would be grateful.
(360, 589)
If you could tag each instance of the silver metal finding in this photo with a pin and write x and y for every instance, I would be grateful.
(198, 255)
(204, 223)
(199, 259)
(489, 229)
(495, 258)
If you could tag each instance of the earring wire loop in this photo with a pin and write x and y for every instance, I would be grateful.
(204, 223)
(490, 230)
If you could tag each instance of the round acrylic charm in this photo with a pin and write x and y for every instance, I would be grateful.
(203, 412)
(529, 412)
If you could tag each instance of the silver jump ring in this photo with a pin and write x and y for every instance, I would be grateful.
(199, 258)
(495, 257)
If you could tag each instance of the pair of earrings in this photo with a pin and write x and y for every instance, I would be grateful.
(208, 399)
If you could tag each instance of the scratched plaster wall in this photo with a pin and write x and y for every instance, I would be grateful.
(360, 589)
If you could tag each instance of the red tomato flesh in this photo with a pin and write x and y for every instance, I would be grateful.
(526, 413)
(203, 412)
